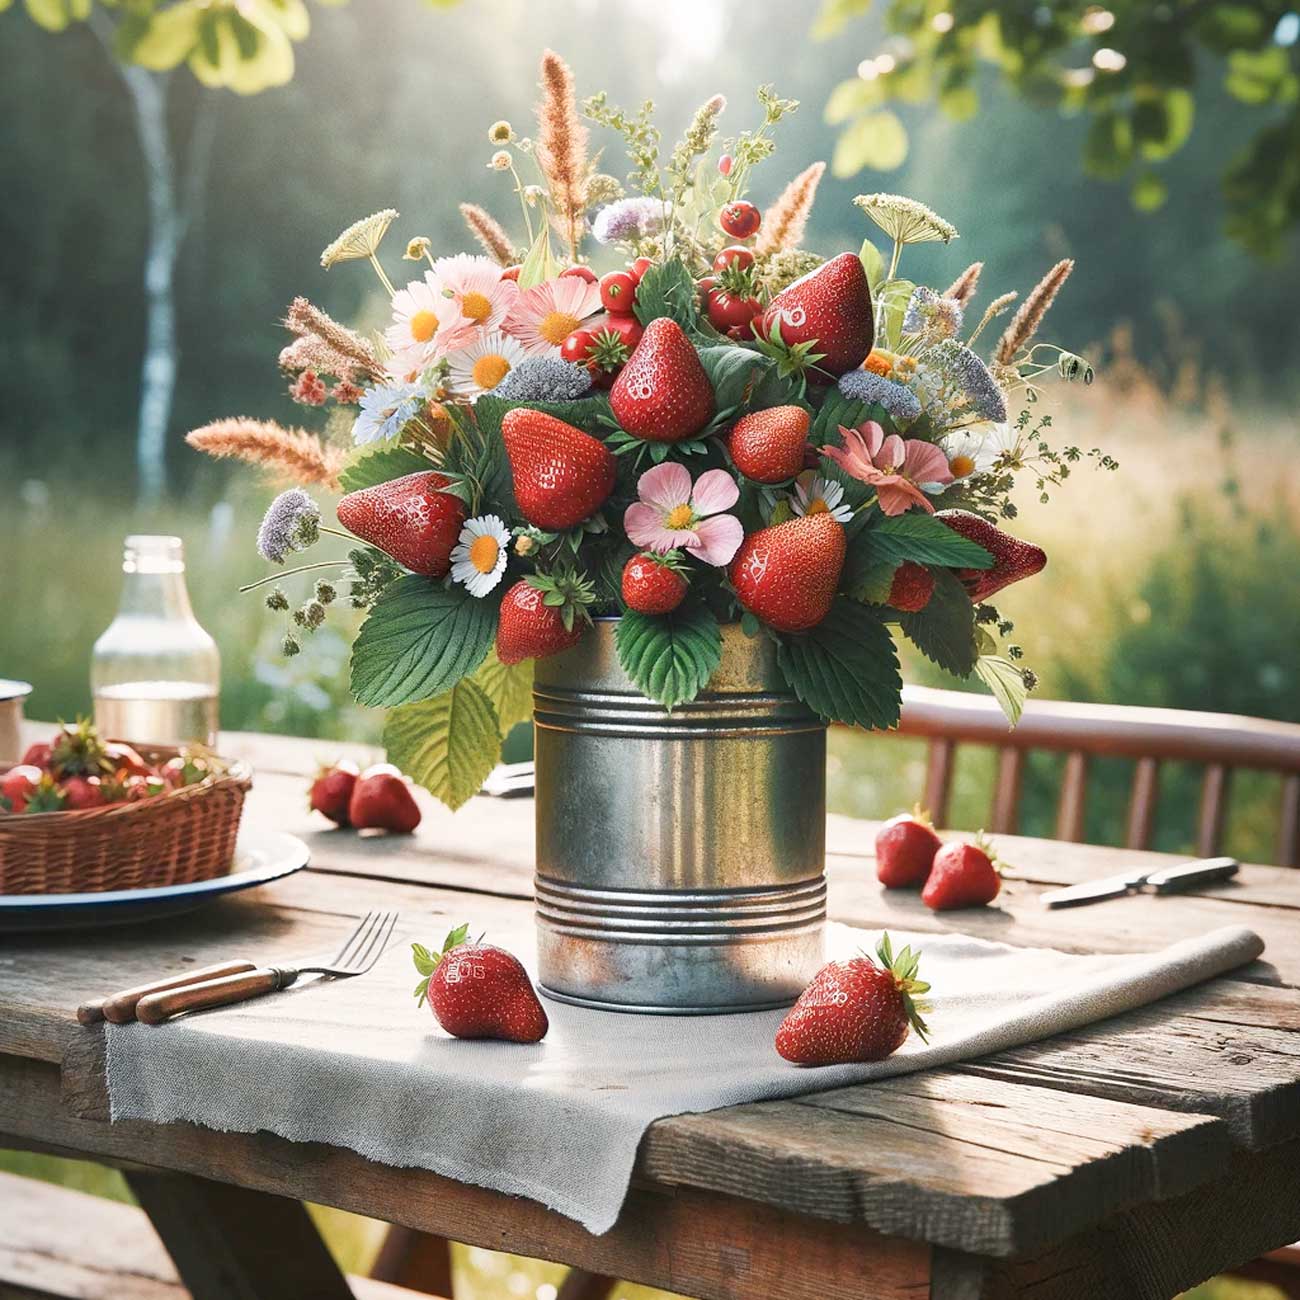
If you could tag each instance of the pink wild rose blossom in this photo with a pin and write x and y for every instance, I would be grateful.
(901, 470)
(672, 513)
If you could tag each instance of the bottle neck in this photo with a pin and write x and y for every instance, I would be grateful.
(155, 595)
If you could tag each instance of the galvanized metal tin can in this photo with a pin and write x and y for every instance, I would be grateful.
(680, 856)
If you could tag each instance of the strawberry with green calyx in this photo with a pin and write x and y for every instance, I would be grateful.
(561, 475)
(831, 307)
(542, 615)
(768, 445)
(1013, 559)
(911, 587)
(795, 361)
(663, 394)
(787, 574)
(476, 990)
(78, 751)
(856, 1010)
(654, 584)
(413, 519)
(905, 849)
(17, 786)
(963, 874)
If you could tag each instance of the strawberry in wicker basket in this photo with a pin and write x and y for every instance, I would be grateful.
(81, 815)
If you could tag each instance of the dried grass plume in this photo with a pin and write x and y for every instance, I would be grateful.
(489, 233)
(292, 454)
(358, 354)
(964, 286)
(1024, 324)
(562, 150)
(784, 222)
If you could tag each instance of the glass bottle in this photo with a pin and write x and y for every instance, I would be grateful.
(155, 673)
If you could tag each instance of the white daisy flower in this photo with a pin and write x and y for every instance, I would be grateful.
(479, 558)
(478, 367)
(815, 495)
(976, 450)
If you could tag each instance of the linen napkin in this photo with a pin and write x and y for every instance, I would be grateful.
(355, 1064)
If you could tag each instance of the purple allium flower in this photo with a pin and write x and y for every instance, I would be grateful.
(930, 311)
(291, 523)
(900, 401)
(628, 219)
(544, 379)
(960, 368)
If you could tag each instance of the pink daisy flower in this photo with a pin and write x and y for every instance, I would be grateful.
(672, 513)
(474, 292)
(425, 325)
(545, 315)
(901, 470)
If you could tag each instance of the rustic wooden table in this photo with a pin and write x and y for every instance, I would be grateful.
(1127, 1161)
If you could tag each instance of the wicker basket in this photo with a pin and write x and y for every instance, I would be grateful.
(186, 835)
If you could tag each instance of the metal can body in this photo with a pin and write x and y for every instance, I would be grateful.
(680, 856)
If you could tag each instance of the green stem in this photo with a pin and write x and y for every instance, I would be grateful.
(523, 203)
(893, 261)
(288, 573)
(383, 279)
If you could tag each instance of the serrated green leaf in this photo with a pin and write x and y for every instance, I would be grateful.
(944, 631)
(670, 657)
(846, 668)
(867, 577)
(509, 687)
(835, 410)
(425, 962)
(448, 744)
(666, 289)
(419, 640)
(456, 937)
(388, 460)
(1004, 679)
(925, 539)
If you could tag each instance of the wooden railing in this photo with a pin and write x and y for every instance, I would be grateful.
(1218, 742)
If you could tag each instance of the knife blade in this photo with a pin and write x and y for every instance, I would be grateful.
(1164, 880)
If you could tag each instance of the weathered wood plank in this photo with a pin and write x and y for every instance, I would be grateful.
(665, 1237)
(1153, 1251)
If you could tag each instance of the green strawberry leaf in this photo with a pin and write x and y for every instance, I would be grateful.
(670, 657)
(380, 464)
(866, 577)
(1006, 682)
(944, 631)
(845, 669)
(419, 640)
(425, 962)
(835, 411)
(509, 687)
(925, 539)
(455, 937)
(666, 289)
(448, 744)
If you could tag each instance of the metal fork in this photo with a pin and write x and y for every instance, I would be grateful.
(358, 953)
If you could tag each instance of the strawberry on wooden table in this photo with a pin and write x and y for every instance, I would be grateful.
(663, 394)
(654, 584)
(331, 791)
(476, 990)
(830, 307)
(787, 574)
(561, 475)
(963, 874)
(1013, 559)
(768, 446)
(855, 1010)
(381, 800)
(410, 518)
(541, 615)
(905, 849)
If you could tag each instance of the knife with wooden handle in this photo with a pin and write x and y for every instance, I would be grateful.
(1164, 880)
(120, 1008)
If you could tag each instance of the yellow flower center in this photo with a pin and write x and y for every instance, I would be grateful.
(679, 517)
(476, 307)
(817, 506)
(961, 466)
(490, 370)
(424, 325)
(483, 553)
(556, 326)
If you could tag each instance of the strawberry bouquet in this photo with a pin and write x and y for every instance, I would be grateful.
(723, 427)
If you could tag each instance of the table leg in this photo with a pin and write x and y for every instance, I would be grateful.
(230, 1243)
(578, 1284)
(419, 1261)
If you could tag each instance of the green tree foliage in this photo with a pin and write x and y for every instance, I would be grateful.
(1135, 70)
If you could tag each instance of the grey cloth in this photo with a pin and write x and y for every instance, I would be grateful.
(355, 1064)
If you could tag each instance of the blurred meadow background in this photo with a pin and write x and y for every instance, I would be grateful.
(1171, 582)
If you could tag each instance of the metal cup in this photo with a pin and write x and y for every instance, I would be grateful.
(680, 856)
(12, 695)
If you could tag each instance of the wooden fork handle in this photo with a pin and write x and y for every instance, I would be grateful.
(157, 1007)
(119, 1008)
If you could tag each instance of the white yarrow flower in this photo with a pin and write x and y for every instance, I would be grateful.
(479, 558)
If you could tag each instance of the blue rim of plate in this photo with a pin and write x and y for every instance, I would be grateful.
(279, 854)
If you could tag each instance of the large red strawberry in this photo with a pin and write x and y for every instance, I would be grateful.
(561, 475)
(381, 800)
(663, 393)
(911, 588)
(410, 518)
(831, 306)
(18, 785)
(787, 574)
(476, 990)
(768, 446)
(1012, 558)
(855, 1010)
(962, 875)
(653, 584)
(905, 848)
(541, 616)
(331, 791)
